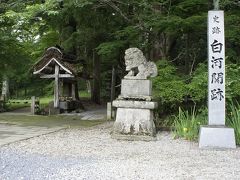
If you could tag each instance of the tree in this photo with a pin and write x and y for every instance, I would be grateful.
(98, 32)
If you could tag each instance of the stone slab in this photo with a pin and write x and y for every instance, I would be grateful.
(54, 111)
(217, 137)
(135, 104)
(133, 87)
(13, 133)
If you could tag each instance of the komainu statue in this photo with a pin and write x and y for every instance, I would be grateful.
(137, 65)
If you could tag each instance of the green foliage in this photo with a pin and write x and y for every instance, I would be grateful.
(109, 49)
(198, 86)
(168, 86)
(163, 29)
(232, 81)
(187, 124)
(233, 119)
(172, 87)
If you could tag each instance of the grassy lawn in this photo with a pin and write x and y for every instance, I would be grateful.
(48, 121)
(44, 121)
(17, 104)
(14, 104)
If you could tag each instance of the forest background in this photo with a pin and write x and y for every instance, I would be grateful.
(172, 33)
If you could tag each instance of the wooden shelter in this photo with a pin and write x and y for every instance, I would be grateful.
(62, 68)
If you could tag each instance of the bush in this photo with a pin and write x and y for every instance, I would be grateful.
(168, 86)
(172, 89)
(187, 125)
(198, 86)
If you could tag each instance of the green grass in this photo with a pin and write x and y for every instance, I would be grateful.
(187, 124)
(49, 121)
(44, 101)
(14, 104)
(12, 107)
(233, 120)
(19, 103)
(84, 94)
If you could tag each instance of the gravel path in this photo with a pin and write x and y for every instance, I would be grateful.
(92, 154)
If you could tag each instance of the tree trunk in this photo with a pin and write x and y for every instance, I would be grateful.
(187, 57)
(96, 79)
(5, 88)
(25, 90)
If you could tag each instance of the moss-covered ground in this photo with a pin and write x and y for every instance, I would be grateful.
(48, 121)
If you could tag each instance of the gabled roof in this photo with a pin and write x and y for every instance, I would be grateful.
(51, 57)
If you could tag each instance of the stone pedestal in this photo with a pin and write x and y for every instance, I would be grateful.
(216, 137)
(139, 89)
(134, 118)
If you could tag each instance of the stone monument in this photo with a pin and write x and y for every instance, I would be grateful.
(134, 117)
(216, 134)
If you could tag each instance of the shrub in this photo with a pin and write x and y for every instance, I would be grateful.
(169, 89)
(168, 86)
(198, 86)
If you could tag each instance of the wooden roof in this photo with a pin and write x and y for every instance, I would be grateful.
(52, 56)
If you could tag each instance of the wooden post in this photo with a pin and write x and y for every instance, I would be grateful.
(109, 110)
(5, 88)
(113, 84)
(73, 91)
(61, 87)
(56, 87)
(33, 105)
(109, 105)
(88, 86)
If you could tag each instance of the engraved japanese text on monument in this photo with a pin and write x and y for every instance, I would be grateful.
(216, 68)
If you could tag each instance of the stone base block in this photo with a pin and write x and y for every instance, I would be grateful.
(135, 88)
(216, 137)
(131, 121)
(135, 104)
(54, 111)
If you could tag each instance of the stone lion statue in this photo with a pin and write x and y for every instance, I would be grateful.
(137, 65)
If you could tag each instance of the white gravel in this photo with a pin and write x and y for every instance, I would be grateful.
(92, 154)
